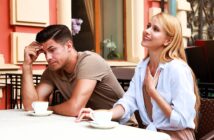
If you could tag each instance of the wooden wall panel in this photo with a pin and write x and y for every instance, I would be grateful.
(30, 12)
(19, 41)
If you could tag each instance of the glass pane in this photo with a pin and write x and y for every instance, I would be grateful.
(112, 29)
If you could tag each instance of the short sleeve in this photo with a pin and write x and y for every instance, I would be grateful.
(46, 77)
(92, 67)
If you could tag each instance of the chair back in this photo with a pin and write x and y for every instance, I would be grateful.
(124, 75)
(200, 59)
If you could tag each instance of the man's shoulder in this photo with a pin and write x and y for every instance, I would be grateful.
(91, 57)
(90, 61)
(89, 54)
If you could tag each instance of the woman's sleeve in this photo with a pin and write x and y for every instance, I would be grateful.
(183, 97)
(128, 101)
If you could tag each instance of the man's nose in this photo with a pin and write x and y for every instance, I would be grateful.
(48, 56)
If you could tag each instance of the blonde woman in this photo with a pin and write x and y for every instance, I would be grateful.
(163, 88)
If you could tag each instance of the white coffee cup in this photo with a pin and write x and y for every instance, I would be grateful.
(101, 116)
(40, 106)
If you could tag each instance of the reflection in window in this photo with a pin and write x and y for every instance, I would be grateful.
(110, 30)
(84, 39)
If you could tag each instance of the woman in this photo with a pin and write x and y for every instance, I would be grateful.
(163, 88)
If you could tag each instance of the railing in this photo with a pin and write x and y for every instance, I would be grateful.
(14, 98)
(13, 89)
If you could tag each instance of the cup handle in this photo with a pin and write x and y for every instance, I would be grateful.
(91, 115)
(32, 105)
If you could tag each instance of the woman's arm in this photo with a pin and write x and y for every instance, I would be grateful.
(117, 112)
(85, 113)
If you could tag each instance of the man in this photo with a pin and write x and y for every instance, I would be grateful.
(83, 78)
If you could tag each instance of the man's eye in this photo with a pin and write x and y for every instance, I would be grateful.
(52, 50)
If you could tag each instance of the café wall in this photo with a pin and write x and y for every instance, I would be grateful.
(15, 22)
(6, 28)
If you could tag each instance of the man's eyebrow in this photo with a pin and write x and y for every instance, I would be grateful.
(49, 47)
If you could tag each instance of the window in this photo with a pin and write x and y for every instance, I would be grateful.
(103, 27)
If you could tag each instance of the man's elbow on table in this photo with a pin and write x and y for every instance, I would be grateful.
(65, 109)
(27, 105)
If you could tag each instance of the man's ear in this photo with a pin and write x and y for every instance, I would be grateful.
(70, 44)
(167, 41)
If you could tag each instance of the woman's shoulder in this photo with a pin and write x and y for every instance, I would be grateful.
(177, 65)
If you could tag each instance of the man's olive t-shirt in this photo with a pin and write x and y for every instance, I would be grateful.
(89, 66)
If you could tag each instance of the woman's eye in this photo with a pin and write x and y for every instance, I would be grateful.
(155, 28)
(148, 26)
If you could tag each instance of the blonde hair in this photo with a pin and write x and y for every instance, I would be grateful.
(175, 50)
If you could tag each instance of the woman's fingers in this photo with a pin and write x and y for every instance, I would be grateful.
(156, 77)
(85, 113)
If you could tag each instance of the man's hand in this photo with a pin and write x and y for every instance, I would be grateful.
(32, 52)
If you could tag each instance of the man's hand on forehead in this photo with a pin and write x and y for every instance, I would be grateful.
(36, 47)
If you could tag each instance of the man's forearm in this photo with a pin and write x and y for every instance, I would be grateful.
(29, 93)
(66, 109)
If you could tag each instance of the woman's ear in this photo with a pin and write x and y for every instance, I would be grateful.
(167, 41)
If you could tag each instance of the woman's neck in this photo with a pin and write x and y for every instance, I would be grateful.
(153, 62)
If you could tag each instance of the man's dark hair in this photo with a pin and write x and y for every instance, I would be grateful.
(59, 33)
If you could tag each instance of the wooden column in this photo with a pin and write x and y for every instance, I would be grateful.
(97, 32)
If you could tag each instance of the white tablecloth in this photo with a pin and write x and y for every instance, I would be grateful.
(19, 125)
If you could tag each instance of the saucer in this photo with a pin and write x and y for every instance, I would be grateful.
(46, 113)
(109, 125)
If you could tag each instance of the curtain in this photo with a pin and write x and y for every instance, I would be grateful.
(89, 6)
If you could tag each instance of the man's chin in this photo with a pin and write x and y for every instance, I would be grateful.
(53, 68)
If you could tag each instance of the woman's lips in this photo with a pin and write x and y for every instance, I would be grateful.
(146, 38)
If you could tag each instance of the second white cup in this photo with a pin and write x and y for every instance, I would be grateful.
(101, 116)
(40, 106)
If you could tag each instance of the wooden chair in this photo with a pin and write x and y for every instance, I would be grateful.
(124, 75)
(205, 129)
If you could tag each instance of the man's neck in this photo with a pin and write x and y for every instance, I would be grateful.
(71, 64)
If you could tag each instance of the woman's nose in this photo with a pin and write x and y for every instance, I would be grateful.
(147, 30)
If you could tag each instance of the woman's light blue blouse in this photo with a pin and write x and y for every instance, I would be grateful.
(175, 85)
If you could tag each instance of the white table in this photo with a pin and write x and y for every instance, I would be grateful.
(17, 124)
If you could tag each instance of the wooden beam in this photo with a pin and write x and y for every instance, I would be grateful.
(97, 29)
